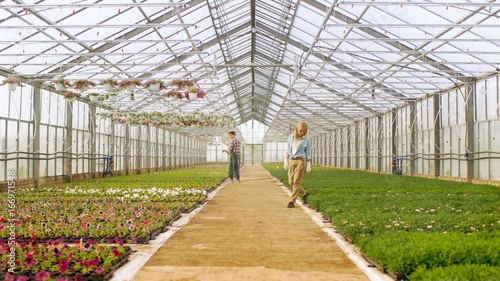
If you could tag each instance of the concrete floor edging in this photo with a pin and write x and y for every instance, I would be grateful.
(144, 252)
(349, 249)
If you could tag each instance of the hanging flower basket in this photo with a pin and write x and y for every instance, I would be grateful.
(112, 97)
(12, 83)
(61, 84)
(71, 96)
(172, 95)
(83, 84)
(93, 97)
(182, 84)
(130, 85)
(194, 94)
(108, 84)
(154, 85)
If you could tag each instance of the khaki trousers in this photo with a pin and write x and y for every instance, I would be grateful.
(296, 172)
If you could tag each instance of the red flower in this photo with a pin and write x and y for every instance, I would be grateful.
(116, 253)
(78, 278)
(33, 234)
(63, 266)
(75, 231)
(29, 260)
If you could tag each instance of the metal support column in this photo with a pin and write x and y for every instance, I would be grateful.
(356, 146)
(139, 154)
(128, 148)
(393, 134)
(380, 128)
(413, 137)
(469, 128)
(93, 142)
(367, 156)
(437, 135)
(68, 143)
(37, 100)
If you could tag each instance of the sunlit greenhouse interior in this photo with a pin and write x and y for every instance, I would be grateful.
(118, 162)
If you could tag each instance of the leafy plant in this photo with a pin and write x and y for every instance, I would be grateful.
(200, 93)
(11, 80)
(63, 82)
(181, 83)
(154, 82)
(109, 81)
(82, 83)
(123, 84)
(170, 94)
(70, 95)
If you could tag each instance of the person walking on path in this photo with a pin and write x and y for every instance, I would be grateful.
(299, 151)
(234, 157)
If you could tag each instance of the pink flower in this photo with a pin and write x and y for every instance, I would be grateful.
(119, 241)
(429, 226)
(23, 278)
(78, 278)
(99, 270)
(42, 275)
(9, 277)
(458, 211)
(63, 266)
(116, 253)
(29, 260)
(472, 228)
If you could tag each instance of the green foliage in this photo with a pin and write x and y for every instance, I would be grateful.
(407, 223)
(462, 272)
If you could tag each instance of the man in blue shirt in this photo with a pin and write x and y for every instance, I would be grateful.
(299, 152)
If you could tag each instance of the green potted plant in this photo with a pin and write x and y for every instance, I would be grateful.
(172, 95)
(83, 84)
(194, 94)
(154, 85)
(93, 97)
(12, 83)
(71, 96)
(61, 84)
(109, 84)
(181, 84)
(112, 97)
(130, 84)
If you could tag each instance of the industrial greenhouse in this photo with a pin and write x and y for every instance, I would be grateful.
(120, 120)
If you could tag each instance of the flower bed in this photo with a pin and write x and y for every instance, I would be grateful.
(130, 207)
(407, 223)
(55, 259)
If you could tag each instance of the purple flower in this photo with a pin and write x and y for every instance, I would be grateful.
(44, 224)
(134, 240)
(131, 227)
(42, 275)
(86, 246)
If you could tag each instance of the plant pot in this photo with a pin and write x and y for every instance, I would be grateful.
(193, 96)
(59, 87)
(71, 99)
(94, 98)
(113, 98)
(130, 88)
(84, 88)
(116, 115)
(154, 87)
(11, 86)
(174, 98)
(108, 87)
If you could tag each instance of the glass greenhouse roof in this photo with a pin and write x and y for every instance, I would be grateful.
(329, 63)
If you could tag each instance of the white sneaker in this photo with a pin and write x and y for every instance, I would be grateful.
(230, 180)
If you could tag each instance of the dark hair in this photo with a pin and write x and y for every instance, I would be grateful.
(232, 133)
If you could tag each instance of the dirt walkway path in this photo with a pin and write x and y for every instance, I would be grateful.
(246, 233)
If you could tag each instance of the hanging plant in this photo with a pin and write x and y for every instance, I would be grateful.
(71, 96)
(111, 96)
(154, 85)
(130, 84)
(194, 93)
(12, 83)
(83, 84)
(61, 84)
(181, 84)
(93, 97)
(109, 84)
